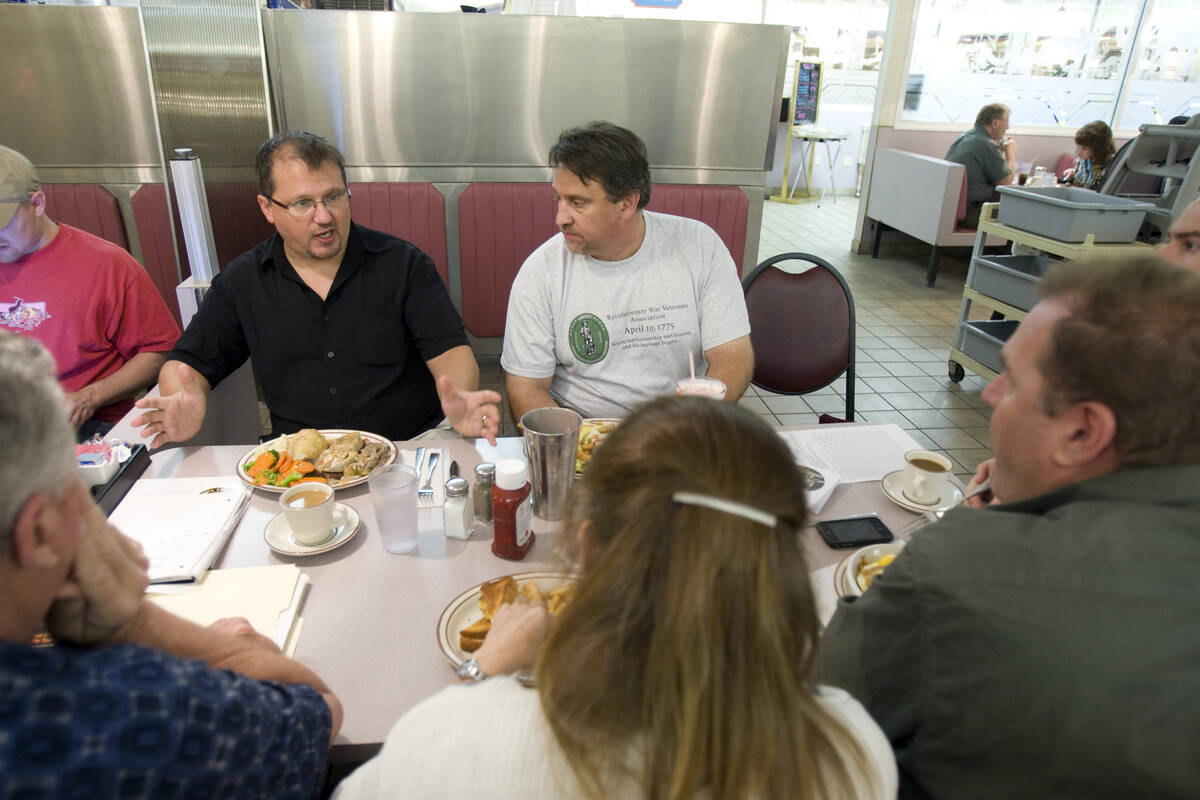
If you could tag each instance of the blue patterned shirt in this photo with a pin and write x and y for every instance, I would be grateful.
(126, 721)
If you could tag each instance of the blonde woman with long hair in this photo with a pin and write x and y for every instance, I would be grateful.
(682, 667)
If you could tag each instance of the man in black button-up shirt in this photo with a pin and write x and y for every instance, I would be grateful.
(347, 327)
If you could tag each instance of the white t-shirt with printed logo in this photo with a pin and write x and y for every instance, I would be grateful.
(614, 334)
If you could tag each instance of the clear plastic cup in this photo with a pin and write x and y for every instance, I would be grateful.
(394, 496)
(701, 387)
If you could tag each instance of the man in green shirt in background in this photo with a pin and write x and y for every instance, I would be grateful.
(988, 156)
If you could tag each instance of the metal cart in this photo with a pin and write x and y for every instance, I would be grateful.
(977, 343)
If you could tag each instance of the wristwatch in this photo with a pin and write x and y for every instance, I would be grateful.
(469, 671)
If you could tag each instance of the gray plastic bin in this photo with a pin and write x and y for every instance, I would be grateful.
(1069, 214)
(982, 340)
(1010, 279)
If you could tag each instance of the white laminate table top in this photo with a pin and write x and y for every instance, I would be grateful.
(369, 623)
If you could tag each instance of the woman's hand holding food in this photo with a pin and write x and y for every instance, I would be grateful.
(982, 473)
(473, 414)
(174, 417)
(518, 630)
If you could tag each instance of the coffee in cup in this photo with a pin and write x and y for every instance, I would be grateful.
(309, 511)
(926, 477)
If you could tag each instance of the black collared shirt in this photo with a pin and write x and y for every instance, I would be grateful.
(354, 360)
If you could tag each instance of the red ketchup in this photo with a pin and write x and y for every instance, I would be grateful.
(513, 511)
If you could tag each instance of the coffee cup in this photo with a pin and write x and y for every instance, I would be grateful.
(309, 510)
(701, 387)
(926, 477)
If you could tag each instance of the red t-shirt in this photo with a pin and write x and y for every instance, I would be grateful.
(90, 304)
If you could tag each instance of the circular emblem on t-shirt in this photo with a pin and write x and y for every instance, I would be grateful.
(589, 338)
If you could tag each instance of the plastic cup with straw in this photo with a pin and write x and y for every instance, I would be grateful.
(700, 387)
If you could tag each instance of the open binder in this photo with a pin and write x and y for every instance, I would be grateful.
(181, 523)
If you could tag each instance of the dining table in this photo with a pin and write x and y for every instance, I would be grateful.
(369, 622)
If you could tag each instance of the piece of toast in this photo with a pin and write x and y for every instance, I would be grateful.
(494, 594)
(532, 593)
(471, 637)
(557, 598)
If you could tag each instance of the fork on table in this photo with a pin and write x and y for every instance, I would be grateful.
(425, 492)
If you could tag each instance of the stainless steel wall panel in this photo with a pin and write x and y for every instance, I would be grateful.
(427, 92)
(207, 62)
(76, 93)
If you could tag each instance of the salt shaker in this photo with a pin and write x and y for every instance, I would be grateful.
(457, 514)
(485, 477)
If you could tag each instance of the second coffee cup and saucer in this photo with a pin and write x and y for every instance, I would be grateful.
(924, 484)
(280, 538)
(311, 521)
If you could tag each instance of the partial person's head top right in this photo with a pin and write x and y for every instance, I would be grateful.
(1131, 342)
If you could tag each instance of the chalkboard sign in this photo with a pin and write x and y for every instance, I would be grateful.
(807, 93)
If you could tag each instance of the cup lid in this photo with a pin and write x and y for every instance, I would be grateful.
(511, 473)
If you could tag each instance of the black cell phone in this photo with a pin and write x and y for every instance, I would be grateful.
(857, 531)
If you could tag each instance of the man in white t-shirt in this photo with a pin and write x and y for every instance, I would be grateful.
(602, 316)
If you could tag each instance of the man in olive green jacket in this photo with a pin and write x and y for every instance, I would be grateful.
(1049, 645)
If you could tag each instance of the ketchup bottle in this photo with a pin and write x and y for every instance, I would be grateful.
(513, 511)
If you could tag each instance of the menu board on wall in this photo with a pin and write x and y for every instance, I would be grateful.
(807, 93)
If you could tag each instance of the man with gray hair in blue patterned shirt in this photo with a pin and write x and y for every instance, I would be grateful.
(129, 701)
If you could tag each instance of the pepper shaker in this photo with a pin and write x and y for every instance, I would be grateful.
(485, 478)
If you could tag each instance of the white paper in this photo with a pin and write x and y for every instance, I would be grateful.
(859, 453)
(180, 524)
(815, 459)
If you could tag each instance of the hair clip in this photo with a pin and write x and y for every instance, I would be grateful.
(728, 506)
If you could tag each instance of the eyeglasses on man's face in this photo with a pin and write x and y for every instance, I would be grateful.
(304, 208)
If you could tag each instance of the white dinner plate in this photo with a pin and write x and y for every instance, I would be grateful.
(893, 487)
(279, 535)
(464, 610)
(849, 566)
(329, 433)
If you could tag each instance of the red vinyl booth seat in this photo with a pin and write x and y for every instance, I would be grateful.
(88, 207)
(500, 224)
(416, 212)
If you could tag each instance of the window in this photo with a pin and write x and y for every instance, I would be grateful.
(1165, 81)
(1055, 63)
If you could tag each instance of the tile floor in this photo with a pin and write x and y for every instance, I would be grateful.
(904, 333)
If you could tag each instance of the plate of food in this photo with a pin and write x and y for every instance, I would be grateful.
(336, 456)
(591, 433)
(464, 624)
(857, 572)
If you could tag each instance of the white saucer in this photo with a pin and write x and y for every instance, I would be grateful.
(279, 535)
(893, 487)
